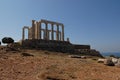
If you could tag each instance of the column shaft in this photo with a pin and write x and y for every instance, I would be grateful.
(60, 35)
(48, 35)
(23, 34)
(29, 33)
(52, 33)
(62, 32)
(36, 31)
(57, 33)
(46, 30)
(33, 29)
(44, 33)
(39, 30)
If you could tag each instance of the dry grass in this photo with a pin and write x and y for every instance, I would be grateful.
(52, 66)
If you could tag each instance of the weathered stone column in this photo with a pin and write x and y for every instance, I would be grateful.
(36, 30)
(33, 29)
(38, 27)
(52, 33)
(23, 33)
(57, 33)
(39, 30)
(62, 32)
(44, 33)
(29, 33)
(60, 35)
(48, 35)
(46, 30)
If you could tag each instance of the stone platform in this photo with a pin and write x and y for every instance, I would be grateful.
(51, 45)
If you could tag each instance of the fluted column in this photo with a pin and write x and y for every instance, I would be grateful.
(57, 33)
(46, 30)
(39, 30)
(29, 33)
(62, 32)
(44, 34)
(52, 33)
(36, 30)
(48, 35)
(23, 33)
(60, 35)
(33, 29)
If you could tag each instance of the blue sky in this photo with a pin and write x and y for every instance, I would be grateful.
(93, 22)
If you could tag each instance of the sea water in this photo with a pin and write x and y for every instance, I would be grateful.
(117, 54)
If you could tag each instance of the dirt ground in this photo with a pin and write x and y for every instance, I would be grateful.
(46, 65)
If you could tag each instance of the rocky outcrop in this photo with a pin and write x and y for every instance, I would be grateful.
(109, 62)
(90, 52)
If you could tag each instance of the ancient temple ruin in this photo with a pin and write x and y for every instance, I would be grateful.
(49, 35)
(41, 30)
(46, 35)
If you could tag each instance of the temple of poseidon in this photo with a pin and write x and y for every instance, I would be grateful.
(49, 35)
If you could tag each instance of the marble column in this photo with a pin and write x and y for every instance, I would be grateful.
(44, 34)
(62, 32)
(39, 30)
(57, 33)
(46, 30)
(52, 33)
(48, 35)
(36, 30)
(33, 29)
(29, 33)
(60, 36)
(23, 33)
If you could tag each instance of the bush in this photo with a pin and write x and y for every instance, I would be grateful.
(7, 40)
(112, 55)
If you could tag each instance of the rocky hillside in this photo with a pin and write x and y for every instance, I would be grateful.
(44, 65)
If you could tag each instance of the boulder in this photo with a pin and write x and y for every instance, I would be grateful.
(101, 60)
(83, 57)
(109, 62)
(118, 63)
(114, 60)
(74, 56)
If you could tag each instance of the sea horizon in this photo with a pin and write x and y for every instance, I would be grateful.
(116, 54)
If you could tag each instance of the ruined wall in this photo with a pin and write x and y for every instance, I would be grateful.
(51, 45)
(77, 46)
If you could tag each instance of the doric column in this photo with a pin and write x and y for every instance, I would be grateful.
(62, 32)
(39, 30)
(23, 34)
(57, 33)
(33, 29)
(46, 30)
(36, 30)
(52, 33)
(44, 33)
(48, 35)
(29, 32)
(60, 35)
